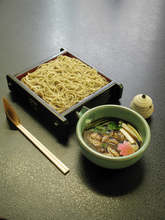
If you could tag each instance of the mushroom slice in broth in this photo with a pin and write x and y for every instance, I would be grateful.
(104, 135)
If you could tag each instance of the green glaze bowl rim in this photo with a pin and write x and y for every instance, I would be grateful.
(105, 157)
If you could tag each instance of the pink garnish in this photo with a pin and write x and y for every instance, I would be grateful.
(125, 148)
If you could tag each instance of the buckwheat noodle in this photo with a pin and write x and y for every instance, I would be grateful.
(63, 82)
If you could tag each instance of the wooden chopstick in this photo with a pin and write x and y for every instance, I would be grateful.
(13, 117)
(62, 167)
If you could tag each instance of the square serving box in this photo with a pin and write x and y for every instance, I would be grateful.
(112, 91)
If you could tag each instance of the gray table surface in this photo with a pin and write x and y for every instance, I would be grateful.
(126, 41)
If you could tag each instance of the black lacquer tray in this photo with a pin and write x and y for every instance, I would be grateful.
(113, 90)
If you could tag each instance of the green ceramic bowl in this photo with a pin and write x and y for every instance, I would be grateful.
(116, 111)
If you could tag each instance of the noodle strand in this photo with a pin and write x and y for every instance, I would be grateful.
(63, 82)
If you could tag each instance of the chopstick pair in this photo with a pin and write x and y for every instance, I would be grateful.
(13, 117)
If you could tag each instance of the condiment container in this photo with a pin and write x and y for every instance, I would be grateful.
(142, 104)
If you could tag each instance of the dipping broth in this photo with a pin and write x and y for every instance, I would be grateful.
(112, 137)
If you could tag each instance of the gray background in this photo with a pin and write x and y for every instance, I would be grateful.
(126, 41)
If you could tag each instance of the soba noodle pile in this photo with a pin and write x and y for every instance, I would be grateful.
(64, 81)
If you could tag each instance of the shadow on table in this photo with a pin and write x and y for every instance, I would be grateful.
(111, 182)
(62, 132)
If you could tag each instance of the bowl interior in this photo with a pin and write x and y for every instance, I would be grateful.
(114, 111)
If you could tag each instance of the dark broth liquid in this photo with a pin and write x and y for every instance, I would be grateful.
(112, 137)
